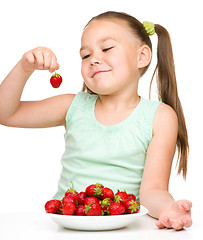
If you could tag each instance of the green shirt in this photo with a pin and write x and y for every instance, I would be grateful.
(111, 155)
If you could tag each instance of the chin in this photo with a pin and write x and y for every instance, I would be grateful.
(103, 92)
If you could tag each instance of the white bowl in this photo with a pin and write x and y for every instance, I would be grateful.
(93, 223)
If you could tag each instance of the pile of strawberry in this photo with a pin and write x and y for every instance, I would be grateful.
(97, 200)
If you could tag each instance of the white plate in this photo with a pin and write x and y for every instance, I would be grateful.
(93, 223)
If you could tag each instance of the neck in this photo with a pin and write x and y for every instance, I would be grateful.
(119, 101)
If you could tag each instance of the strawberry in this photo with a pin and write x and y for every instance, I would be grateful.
(89, 200)
(81, 197)
(94, 190)
(69, 199)
(52, 206)
(132, 206)
(105, 203)
(68, 209)
(131, 196)
(56, 80)
(107, 193)
(121, 197)
(116, 208)
(80, 210)
(72, 192)
(93, 209)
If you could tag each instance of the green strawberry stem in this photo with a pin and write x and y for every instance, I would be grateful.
(72, 185)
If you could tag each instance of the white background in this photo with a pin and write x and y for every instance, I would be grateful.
(30, 158)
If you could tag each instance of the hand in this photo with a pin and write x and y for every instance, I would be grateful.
(40, 58)
(176, 215)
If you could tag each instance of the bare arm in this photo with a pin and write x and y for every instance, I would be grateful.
(154, 188)
(46, 113)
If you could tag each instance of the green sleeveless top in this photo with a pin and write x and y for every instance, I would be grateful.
(111, 155)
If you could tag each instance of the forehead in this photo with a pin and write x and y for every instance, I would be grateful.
(109, 28)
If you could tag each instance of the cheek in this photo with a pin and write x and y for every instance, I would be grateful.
(84, 70)
(121, 65)
(119, 61)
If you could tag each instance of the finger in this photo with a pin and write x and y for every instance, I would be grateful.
(47, 60)
(39, 59)
(30, 58)
(54, 64)
(189, 204)
(177, 225)
(166, 221)
(160, 225)
(187, 222)
(185, 206)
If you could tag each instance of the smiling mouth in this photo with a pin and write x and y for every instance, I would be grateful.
(100, 72)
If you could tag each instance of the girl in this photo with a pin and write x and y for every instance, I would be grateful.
(113, 135)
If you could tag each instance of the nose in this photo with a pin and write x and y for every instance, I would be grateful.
(95, 60)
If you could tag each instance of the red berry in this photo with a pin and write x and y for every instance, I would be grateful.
(68, 209)
(132, 206)
(56, 80)
(72, 192)
(131, 196)
(105, 203)
(121, 197)
(94, 190)
(116, 208)
(81, 197)
(52, 206)
(89, 200)
(69, 199)
(80, 210)
(93, 209)
(107, 193)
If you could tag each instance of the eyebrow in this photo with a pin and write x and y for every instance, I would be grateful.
(100, 41)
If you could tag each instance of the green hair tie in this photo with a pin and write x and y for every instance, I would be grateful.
(149, 27)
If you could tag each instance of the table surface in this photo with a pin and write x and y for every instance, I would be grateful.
(41, 226)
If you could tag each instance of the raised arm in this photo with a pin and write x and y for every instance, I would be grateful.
(46, 113)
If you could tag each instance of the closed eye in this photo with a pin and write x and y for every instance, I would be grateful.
(104, 50)
(86, 56)
(107, 49)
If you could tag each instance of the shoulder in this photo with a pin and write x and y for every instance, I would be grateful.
(83, 99)
(165, 119)
(85, 95)
(65, 100)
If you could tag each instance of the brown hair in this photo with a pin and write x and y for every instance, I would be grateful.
(166, 77)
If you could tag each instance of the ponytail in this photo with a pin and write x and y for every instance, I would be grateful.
(168, 93)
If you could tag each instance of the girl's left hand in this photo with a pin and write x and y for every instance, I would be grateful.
(176, 215)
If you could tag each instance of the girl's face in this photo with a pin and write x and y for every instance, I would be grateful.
(109, 53)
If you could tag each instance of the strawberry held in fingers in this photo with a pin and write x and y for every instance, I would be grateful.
(56, 80)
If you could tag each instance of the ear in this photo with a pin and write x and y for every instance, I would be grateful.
(144, 56)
